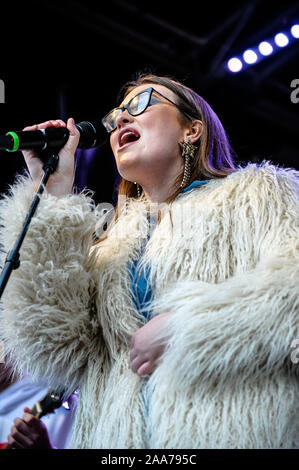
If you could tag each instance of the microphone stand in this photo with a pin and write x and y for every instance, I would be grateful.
(13, 257)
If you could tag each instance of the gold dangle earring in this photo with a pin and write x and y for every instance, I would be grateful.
(138, 189)
(188, 151)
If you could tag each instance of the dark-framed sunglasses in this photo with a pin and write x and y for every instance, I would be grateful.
(137, 105)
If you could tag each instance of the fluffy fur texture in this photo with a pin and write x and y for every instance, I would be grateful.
(224, 260)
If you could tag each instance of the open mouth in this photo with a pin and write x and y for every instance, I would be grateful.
(128, 137)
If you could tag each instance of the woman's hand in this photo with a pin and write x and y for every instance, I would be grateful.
(146, 346)
(29, 433)
(61, 181)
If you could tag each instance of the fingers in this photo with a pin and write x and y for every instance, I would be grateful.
(31, 128)
(28, 432)
(44, 125)
(20, 436)
(146, 368)
(35, 127)
(143, 366)
(31, 420)
(22, 427)
(74, 136)
(135, 364)
(138, 354)
(13, 443)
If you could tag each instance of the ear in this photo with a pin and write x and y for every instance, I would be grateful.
(193, 131)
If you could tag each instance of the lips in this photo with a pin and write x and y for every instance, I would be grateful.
(127, 135)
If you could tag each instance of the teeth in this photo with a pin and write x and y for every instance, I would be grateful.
(127, 133)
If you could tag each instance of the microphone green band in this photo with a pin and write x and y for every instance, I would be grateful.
(16, 141)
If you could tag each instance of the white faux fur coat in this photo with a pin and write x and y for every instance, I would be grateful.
(223, 259)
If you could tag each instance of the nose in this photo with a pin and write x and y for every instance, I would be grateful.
(123, 118)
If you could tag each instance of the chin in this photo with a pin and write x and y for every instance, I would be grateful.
(127, 174)
(127, 169)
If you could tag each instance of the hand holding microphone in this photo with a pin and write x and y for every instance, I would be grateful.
(61, 182)
(56, 135)
(60, 138)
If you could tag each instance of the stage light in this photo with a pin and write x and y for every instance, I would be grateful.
(265, 48)
(250, 56)
(295, 31)
(234, 64)
(281, 40)
(259, 52)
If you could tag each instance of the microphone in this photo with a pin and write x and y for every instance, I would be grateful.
(52, 138)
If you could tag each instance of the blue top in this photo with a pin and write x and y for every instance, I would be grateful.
(141, 289)
(194, 184)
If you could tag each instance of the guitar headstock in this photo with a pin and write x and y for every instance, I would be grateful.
(51, 401)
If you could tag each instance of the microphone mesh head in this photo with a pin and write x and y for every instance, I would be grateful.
(89, 135)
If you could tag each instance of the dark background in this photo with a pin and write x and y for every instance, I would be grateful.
(64, 59)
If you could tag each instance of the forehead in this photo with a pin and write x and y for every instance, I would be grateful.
(160, 88)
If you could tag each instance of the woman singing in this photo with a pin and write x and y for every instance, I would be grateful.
(177, 324)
